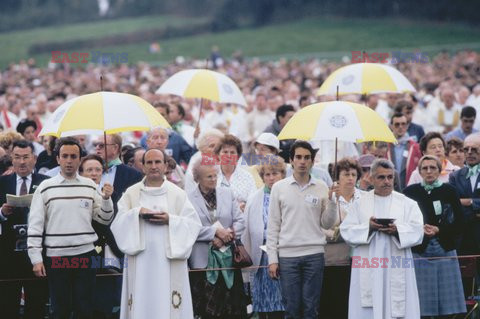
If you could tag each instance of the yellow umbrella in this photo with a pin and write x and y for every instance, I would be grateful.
(365, 78)
(337, 120)
(103, 113)
(203, 84)
(334, 121)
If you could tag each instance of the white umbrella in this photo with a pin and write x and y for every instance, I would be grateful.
(365, 78)
(103, 113)
(203, 84)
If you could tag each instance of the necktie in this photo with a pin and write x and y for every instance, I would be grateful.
(473, 170)
(23, 187)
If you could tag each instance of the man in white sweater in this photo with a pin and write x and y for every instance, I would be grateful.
(300, 207)
(60, 220)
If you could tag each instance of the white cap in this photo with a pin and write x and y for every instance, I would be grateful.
(268, 139)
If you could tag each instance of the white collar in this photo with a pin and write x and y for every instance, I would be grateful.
(28, 177)
(62, 179)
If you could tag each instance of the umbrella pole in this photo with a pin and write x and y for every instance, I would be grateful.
(199, 113)
(105, 148)
(104, 133)
(201, 102)
(337, 100)
(335, 176)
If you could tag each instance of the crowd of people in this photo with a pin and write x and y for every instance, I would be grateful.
(161, 208)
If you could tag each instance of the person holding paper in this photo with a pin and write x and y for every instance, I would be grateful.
(156, 227)
(60, 220)
(382, 227)
(14, 261)
(439, 280)
(216, 294)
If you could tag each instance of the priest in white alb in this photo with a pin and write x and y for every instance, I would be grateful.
(382, 227)
(156, 227)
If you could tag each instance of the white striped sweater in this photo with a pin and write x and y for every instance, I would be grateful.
(61, 214)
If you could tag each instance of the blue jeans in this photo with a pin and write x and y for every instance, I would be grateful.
(71, 288)
(301, 282)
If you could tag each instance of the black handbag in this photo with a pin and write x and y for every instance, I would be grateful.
(241, 258)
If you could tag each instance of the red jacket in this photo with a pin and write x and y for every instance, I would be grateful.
(414, 155)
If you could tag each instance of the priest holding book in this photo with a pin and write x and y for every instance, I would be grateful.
(382, 227)
(156, 228)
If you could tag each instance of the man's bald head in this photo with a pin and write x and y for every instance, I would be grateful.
(473, 138)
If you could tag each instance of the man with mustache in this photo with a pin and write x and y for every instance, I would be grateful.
(13, 238)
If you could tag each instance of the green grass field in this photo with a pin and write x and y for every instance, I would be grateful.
(330, 36)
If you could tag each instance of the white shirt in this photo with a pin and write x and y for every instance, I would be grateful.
(241, 182)
(473, 179)
(302, 188)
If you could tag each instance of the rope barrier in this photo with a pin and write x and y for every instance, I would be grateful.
(233, 268)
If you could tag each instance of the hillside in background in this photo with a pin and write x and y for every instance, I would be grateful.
(310, 37)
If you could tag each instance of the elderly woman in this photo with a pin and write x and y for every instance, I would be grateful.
(266, 147)
(206, 144)
(230, 175)
(267, 298)
(92, 166)
(438, 280)
(336, 279)
(434, 144)
(216, 294)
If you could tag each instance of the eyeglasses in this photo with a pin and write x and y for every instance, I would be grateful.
(472, 150)
(100, 145)
(400, 124)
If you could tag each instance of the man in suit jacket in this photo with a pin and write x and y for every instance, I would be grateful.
(467, 183)
(119, 175)
(406, 153)
(15, 262)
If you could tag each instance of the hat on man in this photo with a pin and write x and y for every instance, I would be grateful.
(366, 160)
(268, 139)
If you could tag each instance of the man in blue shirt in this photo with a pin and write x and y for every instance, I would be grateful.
(467, 118)
(414, 130)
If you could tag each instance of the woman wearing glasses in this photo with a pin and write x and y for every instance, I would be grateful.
(433, 144)
(438, 280)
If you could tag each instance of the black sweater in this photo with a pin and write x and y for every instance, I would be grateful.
(449, 222)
